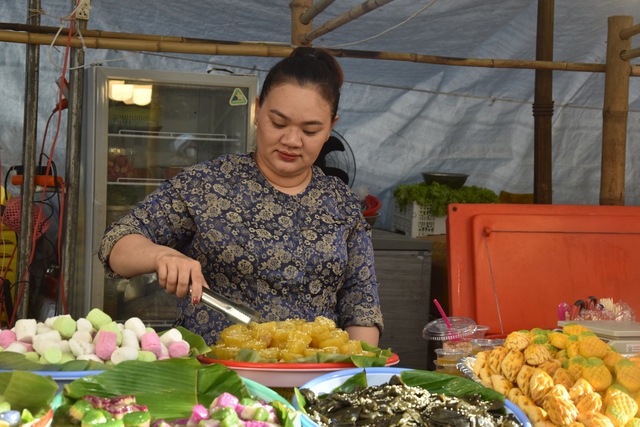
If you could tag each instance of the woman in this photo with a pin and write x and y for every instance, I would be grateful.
(266, 229)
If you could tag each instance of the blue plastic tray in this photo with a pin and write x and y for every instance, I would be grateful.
(375, 376)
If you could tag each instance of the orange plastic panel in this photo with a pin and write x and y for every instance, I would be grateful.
(511, 265)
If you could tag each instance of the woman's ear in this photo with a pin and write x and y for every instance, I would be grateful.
(335, 121)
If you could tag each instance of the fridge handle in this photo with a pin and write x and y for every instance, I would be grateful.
(98, 224)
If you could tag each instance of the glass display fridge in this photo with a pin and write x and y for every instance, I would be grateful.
(141, 127)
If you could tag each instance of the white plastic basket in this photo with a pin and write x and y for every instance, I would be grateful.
(417, 220)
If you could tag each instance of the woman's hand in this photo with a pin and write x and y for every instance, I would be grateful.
(134, 255)
(177, 271)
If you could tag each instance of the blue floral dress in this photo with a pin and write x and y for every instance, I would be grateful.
(287, 256)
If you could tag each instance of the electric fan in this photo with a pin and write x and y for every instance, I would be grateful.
(336, 159)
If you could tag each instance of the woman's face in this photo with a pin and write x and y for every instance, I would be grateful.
(293, 124)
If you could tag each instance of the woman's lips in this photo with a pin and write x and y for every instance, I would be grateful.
(287, 157)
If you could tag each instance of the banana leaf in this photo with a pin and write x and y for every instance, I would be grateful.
(26, 390)
(450, 385)
(380, 359)
(170, 388)
(10, 360)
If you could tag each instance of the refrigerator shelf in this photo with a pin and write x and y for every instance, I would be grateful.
(211, 137)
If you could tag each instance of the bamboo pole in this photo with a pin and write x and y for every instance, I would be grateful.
(298, 28)
(543, 107)
(71, 301)
(315, 10)
(627, 33)
(628, 55)
(276, 50)
(232, 49)
(29, 136)
(343, 19)
(615, 113)
(43, 29)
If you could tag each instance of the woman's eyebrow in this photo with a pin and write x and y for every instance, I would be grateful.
(284, 116)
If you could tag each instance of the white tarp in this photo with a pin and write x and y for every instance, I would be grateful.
(400, 118)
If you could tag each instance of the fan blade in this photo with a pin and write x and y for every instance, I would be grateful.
(332, 144)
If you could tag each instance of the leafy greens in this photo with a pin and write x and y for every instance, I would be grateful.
(438, 196)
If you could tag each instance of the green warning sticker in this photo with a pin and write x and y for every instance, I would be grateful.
(238, 98)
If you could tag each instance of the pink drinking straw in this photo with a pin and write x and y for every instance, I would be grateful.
(444, 316)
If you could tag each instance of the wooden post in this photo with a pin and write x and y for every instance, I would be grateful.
(26, 244)
(615, 113)
(298, 8)
(543, 107)
(345, 18)
(315, 10)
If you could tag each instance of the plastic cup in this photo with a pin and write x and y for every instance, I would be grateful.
(480, 332)
(449, 357)
(445, 368)
(481, 344)
(458, 345)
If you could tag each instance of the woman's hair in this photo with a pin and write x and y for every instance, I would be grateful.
(308, 66)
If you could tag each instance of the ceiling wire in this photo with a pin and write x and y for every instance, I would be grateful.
(63, 23)
(385, 31)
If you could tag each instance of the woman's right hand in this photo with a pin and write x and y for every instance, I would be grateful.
(134, 254)
(176, 272)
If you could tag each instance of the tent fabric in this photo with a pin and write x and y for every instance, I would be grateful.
(400, 118)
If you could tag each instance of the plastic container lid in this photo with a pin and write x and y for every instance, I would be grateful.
(438, 329)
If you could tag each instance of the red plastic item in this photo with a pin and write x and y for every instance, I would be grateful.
(511, 265)
(40, 180)
(12, 217)
(373, 204)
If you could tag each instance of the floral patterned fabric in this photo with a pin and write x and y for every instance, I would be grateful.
(287, 256)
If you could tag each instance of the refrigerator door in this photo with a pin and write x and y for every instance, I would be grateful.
(140, 128)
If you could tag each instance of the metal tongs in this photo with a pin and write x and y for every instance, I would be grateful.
(237, 313)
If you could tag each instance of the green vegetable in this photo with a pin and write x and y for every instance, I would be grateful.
(438, 197)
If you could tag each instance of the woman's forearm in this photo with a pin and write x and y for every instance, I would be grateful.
(368, 334)
(134, 254)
